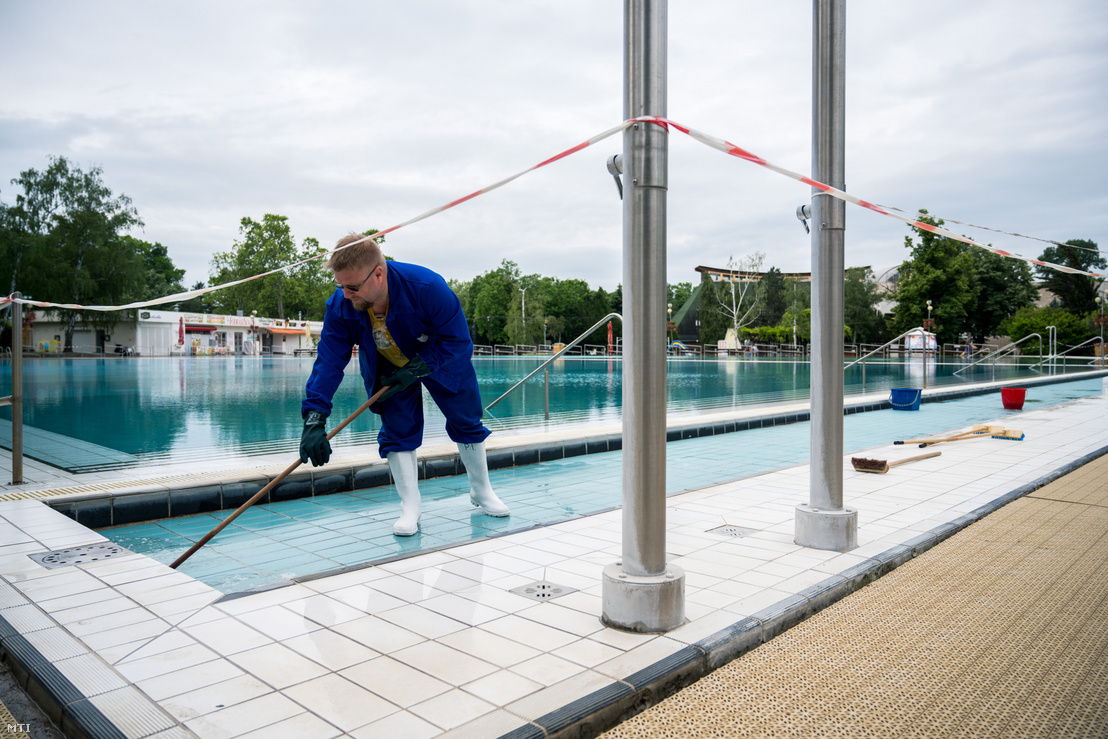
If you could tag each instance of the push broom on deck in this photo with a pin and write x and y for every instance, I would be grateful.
(881, 466)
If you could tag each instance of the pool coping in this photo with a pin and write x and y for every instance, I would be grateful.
(102, 505)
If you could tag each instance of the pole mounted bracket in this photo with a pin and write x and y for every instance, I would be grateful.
(615, 168)
(803, 213)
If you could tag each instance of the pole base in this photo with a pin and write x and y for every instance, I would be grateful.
(644, 605)
(835, 530)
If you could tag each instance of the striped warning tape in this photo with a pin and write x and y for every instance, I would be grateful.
(707, 139)
(737, 151)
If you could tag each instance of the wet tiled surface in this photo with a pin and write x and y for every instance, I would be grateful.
(438, 645)
(274, 543)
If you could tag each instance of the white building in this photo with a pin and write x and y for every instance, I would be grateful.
(166, 332)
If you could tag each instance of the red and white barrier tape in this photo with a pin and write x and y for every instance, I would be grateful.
(736, 151)
(712, 141)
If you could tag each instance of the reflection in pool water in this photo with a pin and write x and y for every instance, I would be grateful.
(177, 409)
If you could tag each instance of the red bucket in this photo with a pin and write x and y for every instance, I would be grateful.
(1012, 397)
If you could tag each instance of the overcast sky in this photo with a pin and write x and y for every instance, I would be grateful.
(348, 115)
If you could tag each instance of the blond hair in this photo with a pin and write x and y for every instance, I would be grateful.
(367, 253)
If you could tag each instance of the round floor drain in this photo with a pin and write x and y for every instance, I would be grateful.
(78, 555)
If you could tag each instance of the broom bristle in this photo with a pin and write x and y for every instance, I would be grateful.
(862, 464)
(1010, 435)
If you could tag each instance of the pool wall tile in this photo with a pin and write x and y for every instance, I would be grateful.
(500, 458)
(550, 452)
(95, 513)
(596, 446)
(373, 476)
(325, 483)
(574, 448)
(142, 507)
(188, 501)
(442, 467)
(237, 493)
(292, 488)
(527, 455)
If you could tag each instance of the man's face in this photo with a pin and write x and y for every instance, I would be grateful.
(361, 287)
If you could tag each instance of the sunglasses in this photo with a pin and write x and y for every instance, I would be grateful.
(355, 288)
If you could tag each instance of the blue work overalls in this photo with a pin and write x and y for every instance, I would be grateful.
(424, 318)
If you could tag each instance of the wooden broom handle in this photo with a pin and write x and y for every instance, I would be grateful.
(258, 495)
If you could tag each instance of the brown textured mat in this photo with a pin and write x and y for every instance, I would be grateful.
(1001, 631)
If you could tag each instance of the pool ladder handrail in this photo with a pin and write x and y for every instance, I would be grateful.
(1073, 348)
(543, 366)
(888, 343)
(1002, 351)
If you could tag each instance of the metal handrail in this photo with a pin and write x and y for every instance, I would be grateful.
(890, 342)
(996, 355)
(565, 349)
(1072, 348)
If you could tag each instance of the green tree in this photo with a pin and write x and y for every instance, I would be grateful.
(1076, 293)
(774, 298)
(163, 277)
(713, 324)
(860, 299)
(264, 246)
(939, 270)
(796, 324)
(491, 296)
(63, 242)
(1003, 286)
(677, 295)
(1072, 329)
(528, 296)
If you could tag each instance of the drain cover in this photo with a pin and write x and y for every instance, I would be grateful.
(732, 531)
(543, 590)
(78, 555)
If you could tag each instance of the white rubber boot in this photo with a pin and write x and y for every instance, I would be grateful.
(405, 474)
(477, 469)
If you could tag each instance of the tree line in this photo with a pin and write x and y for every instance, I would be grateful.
(65, 240)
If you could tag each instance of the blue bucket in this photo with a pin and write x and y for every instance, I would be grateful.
(905, 398)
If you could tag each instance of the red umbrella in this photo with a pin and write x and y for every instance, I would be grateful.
(181, 332)
(611, 344)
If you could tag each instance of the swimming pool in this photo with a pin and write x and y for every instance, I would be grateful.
(86, 415)
(272, 544)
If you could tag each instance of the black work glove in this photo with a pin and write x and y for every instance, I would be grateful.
(313, 441)
(404, 377)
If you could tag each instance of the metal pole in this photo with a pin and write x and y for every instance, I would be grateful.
(824, 523)
(17, 390)
(641, 593)
(546, 394)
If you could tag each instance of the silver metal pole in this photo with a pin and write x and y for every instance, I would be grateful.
(824, 523)
(17, 390)
(641, 593)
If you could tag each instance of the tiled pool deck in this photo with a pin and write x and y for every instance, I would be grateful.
(435, 644)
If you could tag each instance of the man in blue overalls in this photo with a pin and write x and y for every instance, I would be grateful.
(410, 332)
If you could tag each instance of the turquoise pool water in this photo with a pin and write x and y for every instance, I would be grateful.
(98, 414)
(272, 544)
